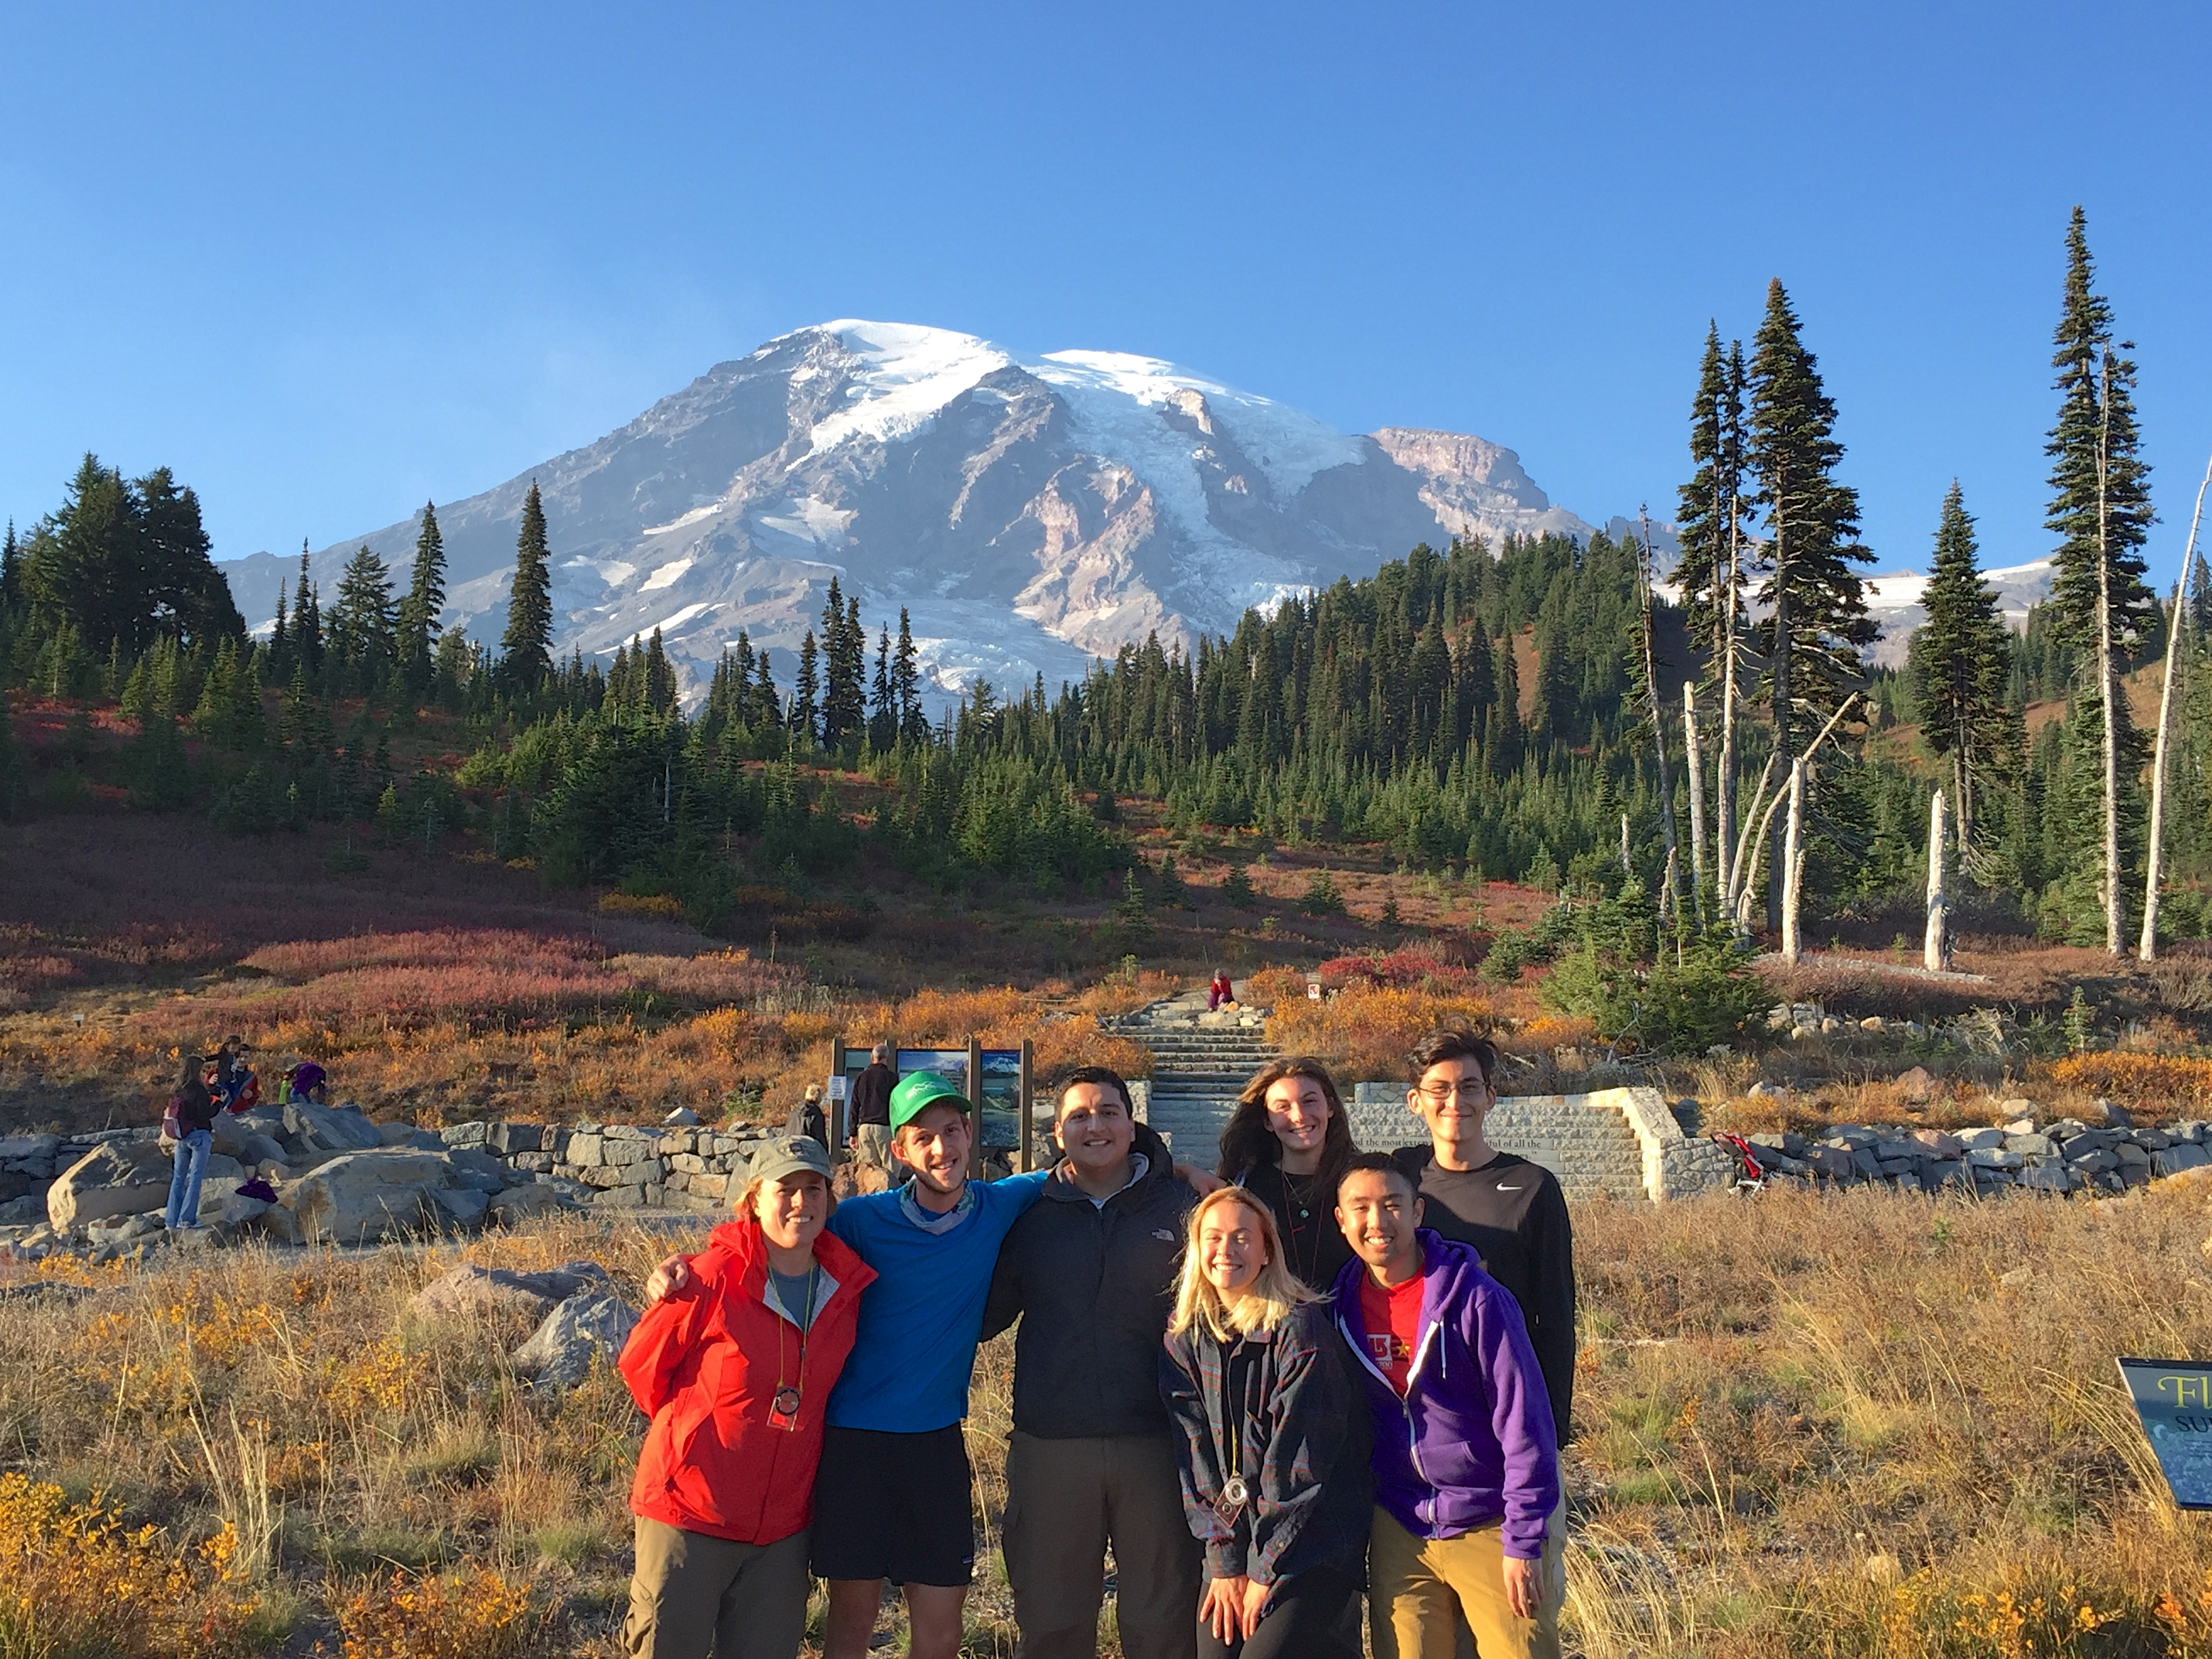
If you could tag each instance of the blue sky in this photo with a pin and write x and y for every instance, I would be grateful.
(328, 265)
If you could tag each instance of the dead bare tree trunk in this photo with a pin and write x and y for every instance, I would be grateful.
(1935, 950)
(1724, 859)
(1626, 868)
(1671, 895)
(1694, 759)
(2147, 946)
(1752, 840)
(1793, 868)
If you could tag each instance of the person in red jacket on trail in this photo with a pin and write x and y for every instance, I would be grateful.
(734, 1368)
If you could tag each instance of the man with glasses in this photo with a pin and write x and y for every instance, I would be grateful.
(1511, 1210)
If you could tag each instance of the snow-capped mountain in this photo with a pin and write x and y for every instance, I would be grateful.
(1031, 513)
(1894, 601)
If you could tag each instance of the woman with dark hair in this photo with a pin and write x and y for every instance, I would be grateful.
(193, 1109)
(1286, 1144)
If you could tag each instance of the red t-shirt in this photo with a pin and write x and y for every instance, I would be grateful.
(1393, 1319)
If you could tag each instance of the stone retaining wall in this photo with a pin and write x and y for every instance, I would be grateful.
(1620, 1142)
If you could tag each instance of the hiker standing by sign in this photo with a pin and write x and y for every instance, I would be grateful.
(1091, 1272)
(871, 1109)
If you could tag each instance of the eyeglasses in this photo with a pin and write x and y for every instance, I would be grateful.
(1436, 1094)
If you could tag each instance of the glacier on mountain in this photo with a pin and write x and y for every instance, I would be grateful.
(1031, 513)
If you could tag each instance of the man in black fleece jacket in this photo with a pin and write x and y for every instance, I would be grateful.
(1091, 1272)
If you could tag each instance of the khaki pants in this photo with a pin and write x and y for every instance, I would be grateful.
(692, 1596)
(1418, 1589)
(1066, 1500)
(872, 1141)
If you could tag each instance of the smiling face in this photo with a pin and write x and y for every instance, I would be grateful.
(791, 1209)
(934, 1145)
(1297, 1114)
(1232, 1248)
(1095, 1128)
(1377, 1211)
(1453, 1098)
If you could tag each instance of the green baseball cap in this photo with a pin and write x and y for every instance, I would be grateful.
(919, 1091)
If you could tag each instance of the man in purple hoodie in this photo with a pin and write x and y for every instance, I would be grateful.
(1466, 1465)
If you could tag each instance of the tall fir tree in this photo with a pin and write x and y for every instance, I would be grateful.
(1711, 514)
(2100, 511)
(905, 684)
(805, 695)
(11, 559)
(423, 605)
(882, 709)
(1816, 619)
(307, 642)
(526, 647)
(1960, 669)
(658, 676)
(362, 624)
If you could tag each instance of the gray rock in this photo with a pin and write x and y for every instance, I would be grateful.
(521, 1203)
(1890, 1151)
(1981, 1139)
(466, 1134)
(462, 1207)
(28, 1209)
(2023, 1125)
(1833, 1162)
(507, 1139)
(2152, 1141)
(619, 1198)
(2051, 1177)
(331, 1128)
(2183, 1155)
(2029, 1146)
(1864, 1161)
(2131, 1157)
(359, 1198)
(624, 1153)
(574, 1336)
(1994, 1158)
(116, 1177)
(1850, 1136)
(472, 1292)
(683, 1116)
(17, 1148)
(585, 1151)
(1934, 1143)
(238, 1210)
(1789, 1146)
(2094, 1160)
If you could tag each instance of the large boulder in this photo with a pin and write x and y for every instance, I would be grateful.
(359, 1198)
(331, 1128)
(469, 1290)
(117, 1177)
(574, 1335)
(522, 1203)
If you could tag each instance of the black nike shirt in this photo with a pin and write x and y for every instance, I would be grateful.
(1514, 1214)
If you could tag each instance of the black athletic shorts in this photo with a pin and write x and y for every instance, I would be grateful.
(895, 1506)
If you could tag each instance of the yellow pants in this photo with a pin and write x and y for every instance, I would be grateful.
(1418, 1589)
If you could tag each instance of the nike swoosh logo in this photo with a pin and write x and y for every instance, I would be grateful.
(1503, 1188)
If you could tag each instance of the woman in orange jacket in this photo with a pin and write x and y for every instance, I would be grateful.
(735, 1370)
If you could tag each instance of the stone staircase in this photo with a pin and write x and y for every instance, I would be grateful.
(1200, 1062)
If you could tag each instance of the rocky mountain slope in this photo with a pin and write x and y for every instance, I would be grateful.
(1030, 512)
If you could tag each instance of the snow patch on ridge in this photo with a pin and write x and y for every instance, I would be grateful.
(906, 375)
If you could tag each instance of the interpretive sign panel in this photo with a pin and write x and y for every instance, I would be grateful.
(2173, 1398)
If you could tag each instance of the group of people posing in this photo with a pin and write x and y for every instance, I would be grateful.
(1310, 1375)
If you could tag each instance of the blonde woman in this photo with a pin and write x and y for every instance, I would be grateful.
(734, 1367)
(1272, 1448)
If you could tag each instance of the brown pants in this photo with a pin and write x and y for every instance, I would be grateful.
(1418, 1589)
(692, 1596)
(1066, 1500)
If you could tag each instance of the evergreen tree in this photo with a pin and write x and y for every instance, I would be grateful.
(1711, 515)
(362, 627)
(1816, 621)
(424, 604)
(526, 647)
(307, 623)
(844, 649)
(82, 565)
(658, 677)
(11, 586)
(906, 685)
(883, 718)
(805, 710)
(1960, 669)
(306, 729)
(2100, 511)
(187, 595)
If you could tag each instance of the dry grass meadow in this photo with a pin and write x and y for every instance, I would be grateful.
(1859, 1424)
